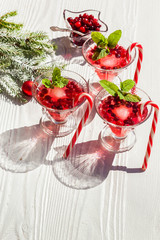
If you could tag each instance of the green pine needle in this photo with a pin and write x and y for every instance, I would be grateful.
(21, 52)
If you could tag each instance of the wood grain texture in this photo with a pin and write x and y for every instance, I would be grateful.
(97, 195)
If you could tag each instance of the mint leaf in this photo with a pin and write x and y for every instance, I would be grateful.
(60, 82)
(98, 37)
(132, 97)
(57, 80)
(100, 53)
(103, 53)
(46, 82)
(114, 38)
(96, 54)
(56, 73)
(103, 43)
(120, 94)
(110, 87)
(127, 85)
(114, 90)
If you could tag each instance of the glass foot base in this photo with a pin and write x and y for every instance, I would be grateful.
(57, 129)
(115, 144)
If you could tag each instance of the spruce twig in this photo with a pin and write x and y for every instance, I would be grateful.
(20, 54)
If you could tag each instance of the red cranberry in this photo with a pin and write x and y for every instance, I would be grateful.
(104, 67)
(97, 62)
(82, 29)
(117, 55)
(91, 16)
(70, 19)
(47, 98)
(78, 24)
(84, 23)
(90, 56)
(44, 91)
(85, 15)
(95, 23)
(76, 19)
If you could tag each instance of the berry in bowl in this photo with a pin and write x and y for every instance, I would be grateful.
(120, 108)
(107, 55)
(58, 91)
(84, 22)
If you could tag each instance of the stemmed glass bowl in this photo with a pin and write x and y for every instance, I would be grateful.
(57, 120)
(100, 73)
(78, 40)
(117, 138)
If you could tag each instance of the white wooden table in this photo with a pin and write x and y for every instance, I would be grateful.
(106, 199)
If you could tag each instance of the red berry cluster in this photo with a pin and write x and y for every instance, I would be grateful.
(119, 52)
(72, 90)
(84, 23)
(109, 104)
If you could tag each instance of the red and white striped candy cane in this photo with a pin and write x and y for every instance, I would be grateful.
(81, 124)
(140, 58)
(152, 132)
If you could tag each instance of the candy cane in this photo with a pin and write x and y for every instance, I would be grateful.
(152, 132)
(140, 58)
(81, 124)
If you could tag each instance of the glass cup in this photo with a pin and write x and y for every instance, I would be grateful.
(76, 39)
(101, 73)
(117, 138)
(58, 122)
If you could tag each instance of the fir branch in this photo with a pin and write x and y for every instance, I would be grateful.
(10, 87)
(22, 56)
(11, 26)
(7, 15)
(8, 50)
(11, 38)
(38, 35)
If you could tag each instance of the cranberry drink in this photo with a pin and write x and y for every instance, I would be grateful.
(121, 113)
(122, 109)
(106, 55)
(59, 101)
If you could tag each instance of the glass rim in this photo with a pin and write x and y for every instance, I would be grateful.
(120, 126)
(60, 110)
(107, 70)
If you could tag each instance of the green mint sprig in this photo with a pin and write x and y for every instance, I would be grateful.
(104, 44)
(123, 92)
(57, 80)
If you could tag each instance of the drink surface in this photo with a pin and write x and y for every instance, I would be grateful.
(60, 101)
(120, 112)
(60, 98)
(114, 60)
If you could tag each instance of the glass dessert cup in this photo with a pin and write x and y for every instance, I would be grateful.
(77, 40)
(102, 72)
(56, 119)
(120, 138)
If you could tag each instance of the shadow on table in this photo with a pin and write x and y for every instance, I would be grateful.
(87, 166)
(24, 149)
(67, 51)
(128, 170)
